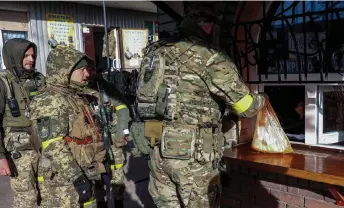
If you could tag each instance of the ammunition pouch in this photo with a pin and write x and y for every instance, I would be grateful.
(178, 141)
(161, 103)
(19, 139)
(155, 95)
(89, 155)
(83, 186)
(45, 171)
(209, 144)
(158, 108)
(201, 143)
(138, 136)
(94, 171)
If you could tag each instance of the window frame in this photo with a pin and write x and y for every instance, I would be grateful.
(326, 138)
(2, 44)
(312, 90)
(313, 118)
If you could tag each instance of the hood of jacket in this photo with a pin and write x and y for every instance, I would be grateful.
(13, 54)
(60, 64)
(191, 28)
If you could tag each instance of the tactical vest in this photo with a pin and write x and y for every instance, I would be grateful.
(82, 136)
(171, 89)
(21, 92)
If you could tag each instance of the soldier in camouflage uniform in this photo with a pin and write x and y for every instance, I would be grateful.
(185, 85)
(112, 45)
(18, 85)
(63, 115)
(122, 112)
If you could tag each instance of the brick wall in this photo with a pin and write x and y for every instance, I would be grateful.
(248, 188)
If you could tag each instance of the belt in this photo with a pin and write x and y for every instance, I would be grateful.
(84, 141)
(207, 126)
(19, 129)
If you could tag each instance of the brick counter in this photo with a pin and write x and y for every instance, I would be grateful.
(299, 179)
(248, 188)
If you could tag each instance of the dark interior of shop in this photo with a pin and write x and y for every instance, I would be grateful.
(288, 103)
(98, 35)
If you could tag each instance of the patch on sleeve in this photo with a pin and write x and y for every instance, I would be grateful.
(43, 128)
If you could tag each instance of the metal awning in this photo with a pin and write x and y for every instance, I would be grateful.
(143, 6)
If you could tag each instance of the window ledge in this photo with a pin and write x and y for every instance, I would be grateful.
(307, 162)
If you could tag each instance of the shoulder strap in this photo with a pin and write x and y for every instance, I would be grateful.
(41, 77)
(3, 88)
(5, 84)
(65, 95)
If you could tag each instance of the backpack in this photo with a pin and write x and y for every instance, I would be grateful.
(158, 78)
(156, 92)
(157, 82)
(152, 96)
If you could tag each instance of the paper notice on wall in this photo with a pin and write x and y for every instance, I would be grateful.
(134, 62)
(61, 28)
(133, 43)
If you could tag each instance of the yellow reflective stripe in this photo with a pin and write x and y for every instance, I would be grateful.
(40, 179)
(46, 143)
(243, 104)
(33, 93)
(117, 166)
(120, 107)
(90, 201)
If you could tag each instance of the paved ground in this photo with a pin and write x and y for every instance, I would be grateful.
(136, 195)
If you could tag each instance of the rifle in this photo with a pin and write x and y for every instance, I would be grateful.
(105, 120)
(106, 130)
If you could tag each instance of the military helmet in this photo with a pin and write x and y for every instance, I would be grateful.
(202, 11)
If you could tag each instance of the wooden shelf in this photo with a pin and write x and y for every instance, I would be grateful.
(307, 162)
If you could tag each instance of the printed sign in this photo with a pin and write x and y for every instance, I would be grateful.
(133, 43)
(296, 43)
(61, 28)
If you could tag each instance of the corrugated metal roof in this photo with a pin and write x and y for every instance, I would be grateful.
(82, 15)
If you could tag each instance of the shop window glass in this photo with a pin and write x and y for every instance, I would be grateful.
(331, 115)
(7, 35)
(306, 36)
(288, 103)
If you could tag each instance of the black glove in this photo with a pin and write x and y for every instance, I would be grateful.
(84, 188)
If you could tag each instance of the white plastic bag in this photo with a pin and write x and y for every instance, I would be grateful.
(269, 136)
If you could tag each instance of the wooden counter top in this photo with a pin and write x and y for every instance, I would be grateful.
(310, 163)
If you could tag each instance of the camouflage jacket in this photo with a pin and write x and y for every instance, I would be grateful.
(15, 83)
(202, 82)
(58, 116)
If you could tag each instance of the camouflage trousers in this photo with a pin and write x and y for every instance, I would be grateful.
(62, 197)
(23, 183)
(118, 173)
(183, 183)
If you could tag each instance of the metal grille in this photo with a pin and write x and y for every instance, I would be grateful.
(296, 37)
